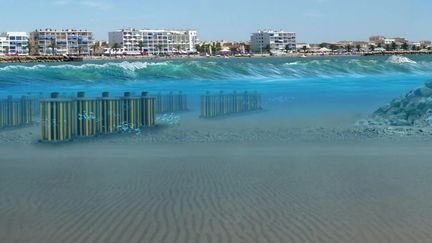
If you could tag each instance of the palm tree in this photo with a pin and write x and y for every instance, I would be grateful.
(94, 47)
(141, 46)
(115, 47)
(304, 48)
(372, 47)
(393, 45)
(387, 47)
(348, 48)
(159, 47)
(333, 47)
(6, 48)
(405, 46)
(79, 50)
(178, 47)
(53, 47)
(358, 46)
(29, 47)
(267, 48)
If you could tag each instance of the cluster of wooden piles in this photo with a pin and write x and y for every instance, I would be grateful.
(171, 103)
(63, 119)
(15, 112)
(221, 104)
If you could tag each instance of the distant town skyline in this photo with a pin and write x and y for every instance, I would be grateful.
(314, 21)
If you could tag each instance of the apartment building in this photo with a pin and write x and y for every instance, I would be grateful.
(14, 43)
(153, 42)
(66, 41)
(4, 45)
(273, 41)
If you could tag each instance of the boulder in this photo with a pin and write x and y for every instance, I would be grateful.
(428, 84)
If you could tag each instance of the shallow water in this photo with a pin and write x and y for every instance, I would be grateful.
(318, 84)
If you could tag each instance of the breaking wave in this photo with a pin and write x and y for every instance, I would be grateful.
(251, 70)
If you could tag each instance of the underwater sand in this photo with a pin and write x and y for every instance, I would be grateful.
(216, 193)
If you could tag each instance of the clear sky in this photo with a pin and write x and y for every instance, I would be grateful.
(313, 20)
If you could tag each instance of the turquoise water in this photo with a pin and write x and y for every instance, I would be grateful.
(361, 83)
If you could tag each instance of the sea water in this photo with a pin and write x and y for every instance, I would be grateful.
(297, 86)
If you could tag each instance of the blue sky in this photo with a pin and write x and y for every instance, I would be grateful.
(313, 20)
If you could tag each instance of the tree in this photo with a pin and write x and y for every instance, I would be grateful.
(53, 46)
(393, 46)
(267, 48)
(304, 48)
(159, 47)
(94, 47)
(405, 46)
(333, 47)
(348, 48)
(218, 47)
(372, 47)
(6, 48)
(29, 47)
(387, 47)
(115, 47)
(178, 48)
(288, 48)
(358, 47)
(79, 50)
(141, 46)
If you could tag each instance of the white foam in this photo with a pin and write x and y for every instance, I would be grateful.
(400, 60)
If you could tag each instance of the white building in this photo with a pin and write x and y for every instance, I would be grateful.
(273, 41)
(14, 43)
(153, 42)
(68, 41)
(4, 45)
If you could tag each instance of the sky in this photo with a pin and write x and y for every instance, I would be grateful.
(314, 21)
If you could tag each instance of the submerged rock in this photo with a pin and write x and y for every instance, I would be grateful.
(413, 109)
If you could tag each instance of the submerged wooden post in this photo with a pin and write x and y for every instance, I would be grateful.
(148, 112)
(56, 119)
(26, 110)
(109, 114)
(3, 114)
(131, 110)
(13, 112)
(86, 116)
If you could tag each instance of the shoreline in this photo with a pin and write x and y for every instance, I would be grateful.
(59, 59)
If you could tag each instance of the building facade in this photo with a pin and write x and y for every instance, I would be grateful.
(4, 45)
(66, 42)
(14, 43)
(153, 42)
(273, 41)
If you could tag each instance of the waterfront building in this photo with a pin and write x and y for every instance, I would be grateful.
(14, 43)
(67, 41)
(153, 42)
(4, 45)
(376, 39)
(273, 41)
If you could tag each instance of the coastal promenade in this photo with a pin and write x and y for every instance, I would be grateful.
(30, 59)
